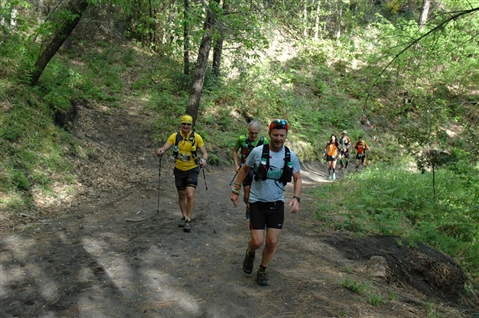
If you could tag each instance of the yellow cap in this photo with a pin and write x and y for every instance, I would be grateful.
(186, 119)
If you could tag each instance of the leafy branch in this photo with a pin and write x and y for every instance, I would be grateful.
(438, 27)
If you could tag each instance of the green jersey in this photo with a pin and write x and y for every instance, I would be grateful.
(245, 145)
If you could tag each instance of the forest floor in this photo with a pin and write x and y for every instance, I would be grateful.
(116, 250)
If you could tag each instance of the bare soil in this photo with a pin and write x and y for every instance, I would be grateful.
(115, 250)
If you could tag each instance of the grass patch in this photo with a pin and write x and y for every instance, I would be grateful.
(354, 285)
(393, 201)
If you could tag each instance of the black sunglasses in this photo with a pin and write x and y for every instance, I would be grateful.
(186, 124)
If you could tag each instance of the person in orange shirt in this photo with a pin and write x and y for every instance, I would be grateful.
(187, 165)
(361, 146)
(332, 152)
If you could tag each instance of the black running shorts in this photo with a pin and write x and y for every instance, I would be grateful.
(188, 178)
(361, 157)
(331, 158)
(249, 178)
(266, 214)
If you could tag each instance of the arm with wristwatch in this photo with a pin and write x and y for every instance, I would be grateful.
(204, 157)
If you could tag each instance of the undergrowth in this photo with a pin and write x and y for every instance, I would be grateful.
(318, 93)
(390, 200)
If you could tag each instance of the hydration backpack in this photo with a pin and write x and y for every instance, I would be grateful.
(262, 171)
(190, 139)
(248, 147)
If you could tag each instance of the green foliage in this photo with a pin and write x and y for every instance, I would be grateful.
(346, 269)
(391, 201)
(355, 286)
(19, 180)
(291, 91)
(320, 87)
(375, 299)
(32, 148)
(128, 57)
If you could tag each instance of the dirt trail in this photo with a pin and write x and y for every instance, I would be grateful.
(99, 260)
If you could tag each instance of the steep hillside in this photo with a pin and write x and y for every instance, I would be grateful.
(116, 250)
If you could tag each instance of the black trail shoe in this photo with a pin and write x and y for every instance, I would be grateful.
(182, 224)
(262, 277)
(248, 262)
(187, 227)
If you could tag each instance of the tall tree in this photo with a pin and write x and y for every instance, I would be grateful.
(202, 60)
(424, 13)
(8, 14)
(65, 27)
(218, 50)
(316, 20)
(2, 10)
(151, 22)
(186, 38)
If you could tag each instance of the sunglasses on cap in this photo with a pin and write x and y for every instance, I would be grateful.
(279, 124)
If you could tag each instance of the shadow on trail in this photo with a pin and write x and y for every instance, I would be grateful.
(93, 263)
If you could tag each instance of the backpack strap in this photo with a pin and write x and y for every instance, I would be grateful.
(248, 147)
(190, 139)
(261, 141)
(262, 171)
(287, 175)
(245, 149)
(345, 141)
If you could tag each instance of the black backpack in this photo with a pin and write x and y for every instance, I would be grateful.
(191, 139)
(262, 171)
(248, 147)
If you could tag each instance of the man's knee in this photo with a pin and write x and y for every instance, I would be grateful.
(190, 195)
(271, 244)
(182, 193)
(256, 242)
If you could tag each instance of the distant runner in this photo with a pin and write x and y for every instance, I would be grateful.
(332, 152)
(245, 144)
(344, 144)
(361, 146)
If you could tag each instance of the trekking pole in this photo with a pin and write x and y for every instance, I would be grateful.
(209, 203)
(234, 178)
(159, 184)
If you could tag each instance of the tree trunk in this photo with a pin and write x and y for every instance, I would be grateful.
(151, 24)
(39, 10)
(201, 64)
(316, 27)
(2, 6)
(424, 13)
(65, 29)
(338, 22)
(9, 13)
(13, 18)
(305, 19)
(218, 50)
(186, 38)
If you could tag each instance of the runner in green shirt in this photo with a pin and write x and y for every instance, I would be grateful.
(245, 144)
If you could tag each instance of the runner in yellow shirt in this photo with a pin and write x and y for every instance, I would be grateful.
(187, 166)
